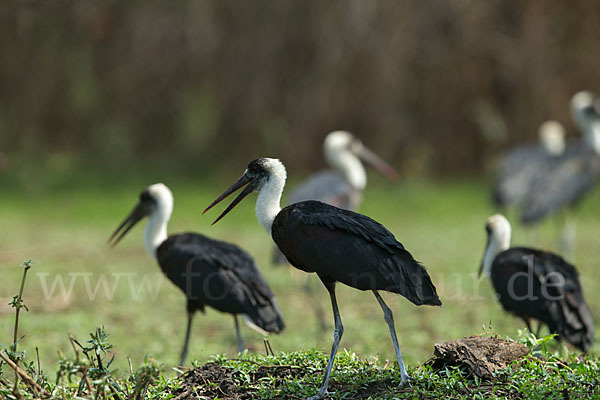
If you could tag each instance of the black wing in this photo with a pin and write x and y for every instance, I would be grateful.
(220, 275)
(328, 187)
(348, 247)
(542, 285)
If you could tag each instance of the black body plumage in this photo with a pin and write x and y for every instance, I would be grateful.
(565, 181)
(219, 275)
(541, 285)
(519, 170)
(347, 247)
(328, 187)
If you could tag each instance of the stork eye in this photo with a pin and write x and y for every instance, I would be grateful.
(255, 167)
(252, 170)
(145, 196)
(488, 229)
(355, 145)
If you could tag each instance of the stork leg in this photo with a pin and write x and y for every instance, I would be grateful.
(568, 236)
(184, 351)
(528, 324)
(240, 341)
(538, 330)
(389, 318)
(337, 336)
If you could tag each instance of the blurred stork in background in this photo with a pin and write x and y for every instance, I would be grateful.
(209, 272)
(535, 284)
(567, 178)
(523, 165)
(341, 186)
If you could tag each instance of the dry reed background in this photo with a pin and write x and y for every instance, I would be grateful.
(436, 86)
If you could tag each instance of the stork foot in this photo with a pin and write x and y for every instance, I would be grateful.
(405, 382)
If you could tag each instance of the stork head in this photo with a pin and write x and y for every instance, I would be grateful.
(342, 150)
(552, 137)
(582, 109)
(585, 113)
(498, 232)
(155, 200)
(259, 173)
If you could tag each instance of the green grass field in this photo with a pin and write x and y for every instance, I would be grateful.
(63, 227)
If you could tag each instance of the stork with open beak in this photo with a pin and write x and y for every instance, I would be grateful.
(338, 245)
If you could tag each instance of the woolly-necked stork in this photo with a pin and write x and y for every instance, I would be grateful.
(523, 165)
(338, 245)
(572, 174)
(536, 284)
(569, 177)
(341, 186)
(209, 272)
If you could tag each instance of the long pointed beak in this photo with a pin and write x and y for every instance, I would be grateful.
(129, 222)
(373, 159)
(483, 259)
(243, 181)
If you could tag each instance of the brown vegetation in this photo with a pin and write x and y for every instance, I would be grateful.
(435, 86)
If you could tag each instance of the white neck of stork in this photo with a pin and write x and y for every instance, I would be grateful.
(552, 137)
(587, 122)
(269, 195)
(156, 228)
(498, 241)
(593, 136)
(340, 154)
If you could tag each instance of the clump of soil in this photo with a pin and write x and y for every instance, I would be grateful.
(215, 380)
(479, 356)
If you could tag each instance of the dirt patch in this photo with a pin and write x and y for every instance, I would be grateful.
(215, 380)
(477, 355)
(480, 356)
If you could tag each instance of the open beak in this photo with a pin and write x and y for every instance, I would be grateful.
(139, 212)
(374, 160)
(243, 181)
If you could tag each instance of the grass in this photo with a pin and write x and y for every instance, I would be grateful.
(63, 224)
(297, 375)
(356, 378)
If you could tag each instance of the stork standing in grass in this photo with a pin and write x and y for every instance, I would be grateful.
(340, 186)
(336, 244)
(209, 272)
(536, 284)
(568, 178)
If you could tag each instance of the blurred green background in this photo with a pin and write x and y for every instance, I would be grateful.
(100, 99)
